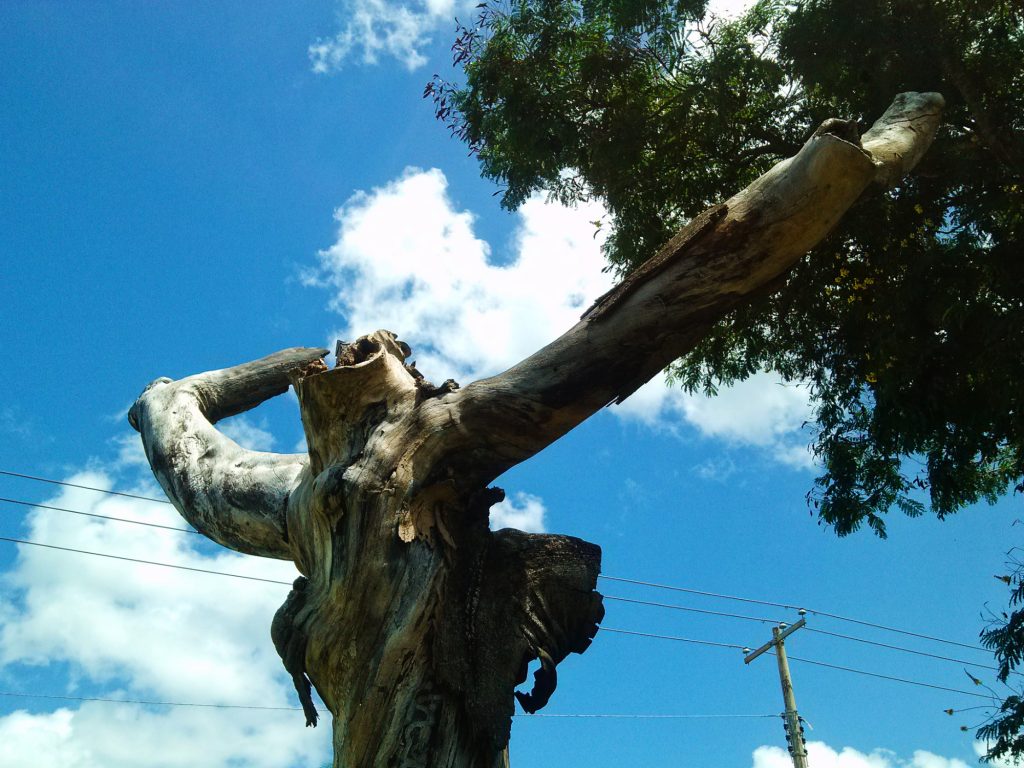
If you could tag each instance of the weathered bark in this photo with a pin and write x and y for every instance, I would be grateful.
(413, 620)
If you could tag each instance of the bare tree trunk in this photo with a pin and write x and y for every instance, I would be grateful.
(412, 619)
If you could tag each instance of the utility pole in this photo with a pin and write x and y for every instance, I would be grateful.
(791, 720)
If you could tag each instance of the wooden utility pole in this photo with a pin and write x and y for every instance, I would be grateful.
(791, 720)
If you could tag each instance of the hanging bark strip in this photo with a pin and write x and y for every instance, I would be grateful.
(412, 619)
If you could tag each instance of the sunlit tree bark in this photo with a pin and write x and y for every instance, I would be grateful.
(413, 620)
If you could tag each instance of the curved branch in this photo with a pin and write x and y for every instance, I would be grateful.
(235, 496)
(722, 259)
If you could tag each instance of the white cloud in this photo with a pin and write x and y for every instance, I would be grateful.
(524, 511)
(820, 755)
(761, 412)
(374, 28)
(131, 630)
(408, 260)
(980, 749)
(716, 469)
(130, 452)
(102, 735)
(247, 433)
(13, 423)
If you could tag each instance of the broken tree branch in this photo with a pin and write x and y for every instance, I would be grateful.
(659, 313)
(235, 496)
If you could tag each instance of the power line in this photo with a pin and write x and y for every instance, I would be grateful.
(146, 703)
(699, 592)
(671, 637)
(904, 650)
(655, 585)
(83, 487)
(146, 562)
(603, 629)
(581, 715)
(809, 629)
(94, 514)
(645, 717)
(761, 619)
(899, 631)
(805, 661)
(890, 677)
(789, 606)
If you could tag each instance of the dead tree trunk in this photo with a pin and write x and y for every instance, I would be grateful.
(413, 620)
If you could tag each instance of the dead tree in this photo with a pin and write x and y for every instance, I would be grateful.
(414, 621)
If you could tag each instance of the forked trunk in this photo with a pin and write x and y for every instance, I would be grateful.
(419, 621)
(413, 620)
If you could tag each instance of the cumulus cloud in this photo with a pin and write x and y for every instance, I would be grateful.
(129, 630)
(821, 755)
(407, 259)
(248, 433)
(761, 411)
(131, 455)
(371, 29)
(523, 511)
(102, 735)
(981, 748)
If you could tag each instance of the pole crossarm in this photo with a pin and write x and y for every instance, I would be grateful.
(782, 636)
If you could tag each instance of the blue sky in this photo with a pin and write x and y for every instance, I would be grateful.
(190, 186)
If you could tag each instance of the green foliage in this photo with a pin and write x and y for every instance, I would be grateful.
(588, 99)
(909, 320)
(1004, 731)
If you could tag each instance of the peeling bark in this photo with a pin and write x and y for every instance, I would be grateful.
(412, 619)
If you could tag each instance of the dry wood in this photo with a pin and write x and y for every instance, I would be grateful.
(413, 620)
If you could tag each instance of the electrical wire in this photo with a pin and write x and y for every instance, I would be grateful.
(645, 716)
(888, 677)
(809, 629)
(907, 632)
(609, 578)
(94, 514)
(805, 661)
(686, 590)
(789, 606)
(83, 487)
(671, 637)
(689, 591)
(146, 562)
(146, 703)
(603, 629)
(761, 619)
(582, 715)
(904, 650)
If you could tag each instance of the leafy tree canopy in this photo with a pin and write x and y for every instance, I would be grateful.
(909, 320)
